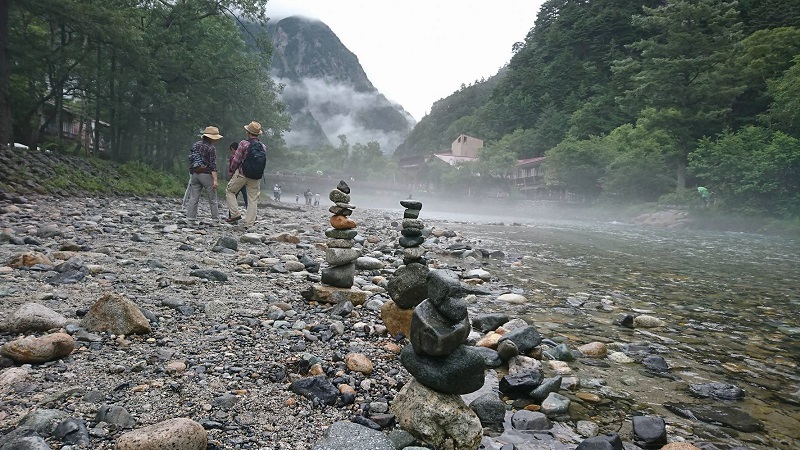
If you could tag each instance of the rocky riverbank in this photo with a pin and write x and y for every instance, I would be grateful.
(222, 326)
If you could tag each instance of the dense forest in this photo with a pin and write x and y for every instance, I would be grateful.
(630, 101)
(636, 100)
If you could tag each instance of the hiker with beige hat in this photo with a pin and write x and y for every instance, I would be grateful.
(203, 170)
(246, 169)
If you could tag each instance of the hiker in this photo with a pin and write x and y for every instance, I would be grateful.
(276, 192)
(316, 199)
(246, 169)
(243, 191)
(203, 170)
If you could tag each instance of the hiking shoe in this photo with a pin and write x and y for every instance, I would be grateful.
(233, 219)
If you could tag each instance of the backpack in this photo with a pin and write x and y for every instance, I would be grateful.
(255, 162)
(196, 163)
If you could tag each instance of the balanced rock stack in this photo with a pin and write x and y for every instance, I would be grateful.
(442, 366)
(340, 254)
(412, 239)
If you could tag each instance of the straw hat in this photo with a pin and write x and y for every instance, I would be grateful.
(212, 133)
(253, 128)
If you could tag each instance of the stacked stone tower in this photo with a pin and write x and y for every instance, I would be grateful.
(412, 238)
(340, 254)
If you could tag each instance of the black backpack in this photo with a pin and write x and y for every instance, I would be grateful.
(255, 162)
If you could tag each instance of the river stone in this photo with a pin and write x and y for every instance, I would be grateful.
(352, 436)
(526, 338)
(116, 314)
(409, 285)
(174, 434)
(411, 232)
(396, 319)
(442, 420)
(317, 389)
(434, 334)
(339, 276)
(561, 352)
(680, 446)
(521, 364)
(587, 428)
(594, 350)
(43, 421)
(13, 375)
(521, 384)
(252, 238)
(329, 294)
(209, 274)
(340, 256)
(368, 263)
(72, 431)
(491, 358)
(489, 409)
(338, 196)
(217, 310)
(489, 322)
(228, 242)
(339, 211)
(555, 404)
(530, 421)
(442, 284)
(342, 186)
(460, 372)
(339, 243)
(507, 349)
(411, 204)
(655, 363)
(606, 442)
(23, 438)
(408, 242)
(720, 391)
(649, 431)
(34, 317)
(115, 414)
(413, 223)
(620, 358)
(411, 214)
(413, 254)
(727, 416)
(645, 321)
(359, 362)
(333, 233)
(342, 222)
(28, 259)
(36, 350)
(454, 308)
(548, 386)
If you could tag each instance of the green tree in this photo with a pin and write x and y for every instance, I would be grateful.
(679, 71)
(578, 165)
(785, 111)
(637, 170)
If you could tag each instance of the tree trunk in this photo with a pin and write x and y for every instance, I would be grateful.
(6, 126)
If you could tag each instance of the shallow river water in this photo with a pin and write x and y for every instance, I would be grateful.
(730, 301)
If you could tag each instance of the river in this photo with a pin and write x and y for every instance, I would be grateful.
(729, 300)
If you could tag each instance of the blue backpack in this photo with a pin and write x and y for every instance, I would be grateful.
(256, 160)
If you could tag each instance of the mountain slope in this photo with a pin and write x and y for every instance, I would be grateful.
(327, 92)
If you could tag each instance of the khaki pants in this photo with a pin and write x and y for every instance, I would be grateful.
(253, 192)
(197, 183)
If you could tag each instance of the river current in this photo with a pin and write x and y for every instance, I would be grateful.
(730, 301)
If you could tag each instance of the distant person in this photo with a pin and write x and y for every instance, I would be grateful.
(316, 199)
(276, 192)
(242, 191)
(297, 198)
(705, 194)
(247, 168)
(203, 173)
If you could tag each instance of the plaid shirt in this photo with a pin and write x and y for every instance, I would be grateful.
(208, 152)
(238, 157)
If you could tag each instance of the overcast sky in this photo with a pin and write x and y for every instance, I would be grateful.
(416, 52)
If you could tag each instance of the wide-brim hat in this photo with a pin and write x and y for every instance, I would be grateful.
(212, 133)
(253, 128)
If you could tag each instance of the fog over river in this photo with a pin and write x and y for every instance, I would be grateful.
(730, 301)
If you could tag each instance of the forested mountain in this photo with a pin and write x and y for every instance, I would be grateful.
(638, 99)
(327, 92)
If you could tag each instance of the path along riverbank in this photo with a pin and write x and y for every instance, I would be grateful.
(230, 330)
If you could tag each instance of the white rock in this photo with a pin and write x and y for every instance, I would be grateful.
(646, 321)
(514, 299)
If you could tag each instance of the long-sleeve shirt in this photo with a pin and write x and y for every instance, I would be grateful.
(238, 156)
(209, 154)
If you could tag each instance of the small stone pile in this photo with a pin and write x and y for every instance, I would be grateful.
(442, 366)
(412, 238)
(340, 254)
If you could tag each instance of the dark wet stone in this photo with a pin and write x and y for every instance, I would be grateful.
(23, 438)
(383, 420)
(490, 357)
(69, 277)
(408, 242)
(507, 350)
(317, 389)
(720, 391)
(361, 420)
(543, 390)
(411, 232)
(489, 409)
(411, 204)
(442, 284)
(339, 211)
(520, 384)
(409, 285)
(333, 233)
(530, 420)
(626, 321)
(655, 363)
(411, 214)
(342, 186)
(339, 276)
(352, 436)
(525, 337)
(716, 414)
(649, 432)
(636, 350)
(186, 247)
(227, 242)
(608, 442)
(72, 431)
(460, 372)
(561, 352)
(342, 309)
(454, 308)
(433, 333)
(489, 322)
(116, 415)
(209, 274)
(339, 196)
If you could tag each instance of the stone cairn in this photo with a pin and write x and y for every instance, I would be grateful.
(340, 254)
(412, 239)
(443, 367)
